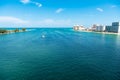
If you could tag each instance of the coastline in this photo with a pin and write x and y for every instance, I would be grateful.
(108, 33)
(99, 32)
(13, 31)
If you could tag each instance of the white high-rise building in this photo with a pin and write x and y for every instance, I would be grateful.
(100, 28)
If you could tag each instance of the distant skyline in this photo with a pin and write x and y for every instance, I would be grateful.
(58, 13)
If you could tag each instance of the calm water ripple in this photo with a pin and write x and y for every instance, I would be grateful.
(63, 54)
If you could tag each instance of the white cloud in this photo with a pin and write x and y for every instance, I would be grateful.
(59, 10)
(25, 1)
(29, 1)
(100, 9)
(52, 22)
(8, 21)
(113, 6)
(48, 21)
(37, 4)
(12, 21)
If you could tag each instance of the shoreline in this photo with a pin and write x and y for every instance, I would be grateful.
(99, 32)
(12, 31)
(108, 33)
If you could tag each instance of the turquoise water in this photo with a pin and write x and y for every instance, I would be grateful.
(62, 55)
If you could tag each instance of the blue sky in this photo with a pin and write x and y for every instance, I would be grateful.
(58, 13)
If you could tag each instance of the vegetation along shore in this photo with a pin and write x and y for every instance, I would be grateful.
(5, 31)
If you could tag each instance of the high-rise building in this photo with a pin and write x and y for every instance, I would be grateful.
(100, 28)
(93, 28)
(114, 28)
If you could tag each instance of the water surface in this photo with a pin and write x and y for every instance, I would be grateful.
(63, 54)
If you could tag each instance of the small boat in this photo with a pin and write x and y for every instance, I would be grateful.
(43, 36)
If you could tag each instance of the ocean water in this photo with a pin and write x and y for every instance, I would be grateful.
(61, 54)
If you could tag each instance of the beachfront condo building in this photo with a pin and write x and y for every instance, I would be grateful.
(100, 28)
(114, 28)
(93, 28)
(79, 27)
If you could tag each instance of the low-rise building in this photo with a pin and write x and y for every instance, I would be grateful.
(77, 27)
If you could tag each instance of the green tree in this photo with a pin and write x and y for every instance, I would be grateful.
(16, 30)
(23, 29)
(3, 31)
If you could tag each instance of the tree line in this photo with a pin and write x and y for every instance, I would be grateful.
(15, 30)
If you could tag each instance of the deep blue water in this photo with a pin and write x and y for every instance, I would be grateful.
(63, 54)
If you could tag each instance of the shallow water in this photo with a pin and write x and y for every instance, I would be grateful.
(62, 54)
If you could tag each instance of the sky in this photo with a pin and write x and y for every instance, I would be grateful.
(58, 13)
